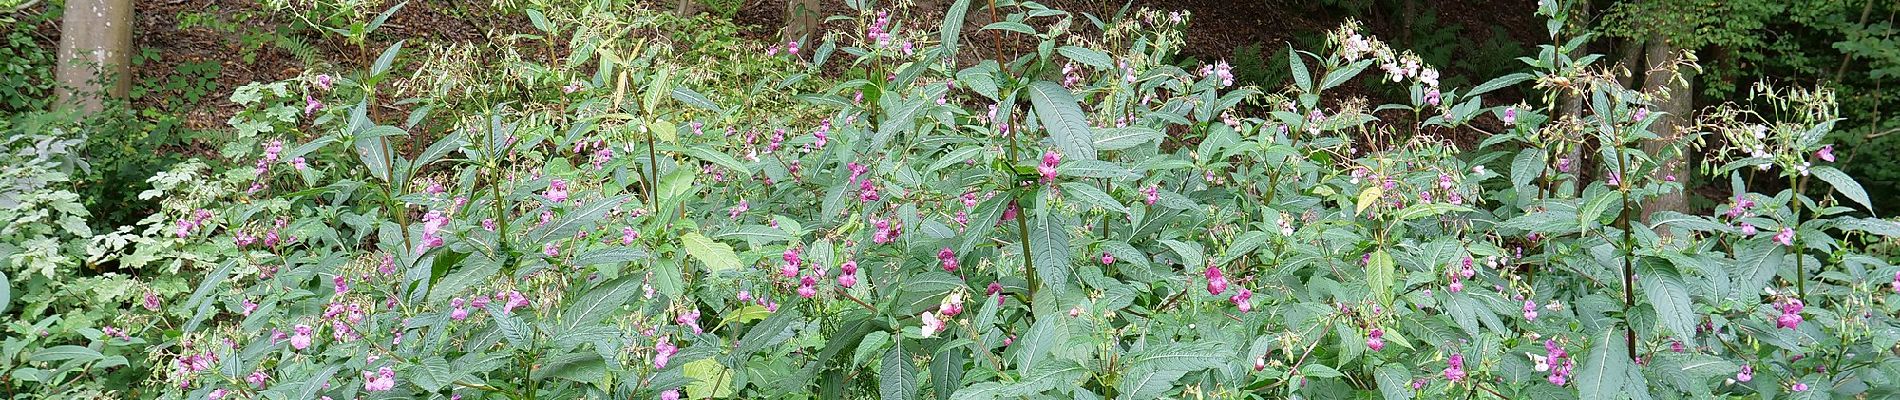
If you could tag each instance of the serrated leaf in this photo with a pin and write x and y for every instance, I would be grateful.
(897, 376)
(1302, 78)
(1499, 83)
(1844, 184)
(574, 220)
(1367, 197)
(1671, 299)
(1063, 118)
(1604, 374)
(1381, 274)
(1110, 139)
(1087, 56)
(601, 300)
(1090, 194)
(716, 256)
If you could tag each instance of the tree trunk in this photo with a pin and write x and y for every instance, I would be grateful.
(801, 21)
(686, 8)
(1676, 102)
(95, 50)
(1573, 108)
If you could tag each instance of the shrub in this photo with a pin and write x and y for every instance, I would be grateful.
(1086, 220)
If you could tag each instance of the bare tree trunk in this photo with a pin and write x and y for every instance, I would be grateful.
(95, 50)
(1573, 106)
(1676, 103)
(686, 8)
(801, 21)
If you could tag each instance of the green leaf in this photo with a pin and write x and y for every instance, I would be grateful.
(601, 300)
(1243, 244)
(1049, 239)
(952, 27)
(1499, 83)
(1111, 139)
(1301, 77)
(946, 371)
(574, 220)
(897, 378)
(1097, 169)
(1087, 56)
(1090, 194)
(1060, 115)
(1844, 184)
(1381, 274)
(67, 352)
(693, 98)
(710, 379)
(1527, 167)
(1605, 372)
(1429, 209)
(1343, 74)
(1192, 254)
(716, 256)
(1320, 371)
(1011, 26)
(583, 367)
(540, 21)
(1148, 382)
(6, 292)
(388, 57)
(1394, 381)
(1671, 299)
(1554, 222)
(1367, 197)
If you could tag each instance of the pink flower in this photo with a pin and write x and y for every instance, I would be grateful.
(1747, 374)
(459, 313)
(215, 395)
(1826, 153)
(951, 305)
(1530, 310)
(1151, 194)
(550, 250)
(1749, 229)
(807, 287)
(1790, 315)
(342, 285)
(1259, 363)
(383, 380)
(557, 191)
(1896, 281)
(1456, 286)
(1799, 387)
(1216, 283)
(311, 105)
(1455, 368)
(1107, 259)
(1510, 115)
(948, 259)
(1375, 340)
(1048, 167)
(670, 394)
(300, 339)
(691, 319)
(257, 378)
(324, 81)
(1243, 300)
(1786, 237)
(663, 351)
(515, 300)
(848, 280)
(627, 236)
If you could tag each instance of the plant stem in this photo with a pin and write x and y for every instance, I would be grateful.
(1629, 250)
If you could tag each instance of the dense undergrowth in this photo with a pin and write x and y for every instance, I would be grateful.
(664, 211)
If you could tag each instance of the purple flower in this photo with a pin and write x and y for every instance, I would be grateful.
(1800, 387)
(670, 394)
(1826, 153)
(1641, 114)
(1747, 374)
(1790, 314)
(515, 300)
(324, 81)
(1530, 310)
(1510, 115)
(1375, 340)
(1151, 194)
(1749, 229)
(1107, 259)
(848, 280)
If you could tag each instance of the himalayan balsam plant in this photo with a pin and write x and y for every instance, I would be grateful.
(1090, 219)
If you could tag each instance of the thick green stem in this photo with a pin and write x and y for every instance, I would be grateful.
(1629, 250)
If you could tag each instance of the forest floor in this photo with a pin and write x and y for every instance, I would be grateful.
(177, 34)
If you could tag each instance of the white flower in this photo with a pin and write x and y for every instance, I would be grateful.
(931, 325)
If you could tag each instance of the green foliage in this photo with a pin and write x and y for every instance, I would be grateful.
(26, 62)
(662, 218)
